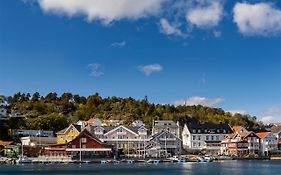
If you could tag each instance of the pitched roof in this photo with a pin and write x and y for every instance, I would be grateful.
(78, 127)
(4, 143)
(237, 128)
(262, 134)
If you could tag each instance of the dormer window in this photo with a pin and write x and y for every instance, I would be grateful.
(194, 131)
(199, 130)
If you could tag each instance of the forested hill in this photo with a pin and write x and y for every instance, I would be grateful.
(53, 112)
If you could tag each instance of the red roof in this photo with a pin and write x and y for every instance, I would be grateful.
(4, 143)
(262, 134)
(237, 128)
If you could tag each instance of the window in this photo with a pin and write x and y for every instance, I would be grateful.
(199, 130)
(224, 131)
(194, 144)
(212, 137)
(217, 138)
(193, 137)
(194, 131)
(199, 137)
(199, 145)
(84, 140)
(207, 137)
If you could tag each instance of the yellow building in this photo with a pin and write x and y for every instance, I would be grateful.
(68, 134)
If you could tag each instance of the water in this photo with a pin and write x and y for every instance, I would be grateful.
(214, 168)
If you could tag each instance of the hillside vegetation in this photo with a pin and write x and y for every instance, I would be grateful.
(53, 112)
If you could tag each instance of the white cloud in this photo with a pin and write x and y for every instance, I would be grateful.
(106, 11)
(149, 69)
(237, 111)
(170, 29)
(199, 101)
(257, 19)
(205, 14)
(119, 44)
(96, 69)
(270, 119)
(271, 115)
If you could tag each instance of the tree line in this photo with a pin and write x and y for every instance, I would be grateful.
(54, 112)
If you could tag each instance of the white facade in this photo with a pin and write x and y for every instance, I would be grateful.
(91, 122)
(166, 125)
(138, 123)
(38, 141)
(164, 142)
(32, 133)
(3, 112)
(207, 138)
(268, 144)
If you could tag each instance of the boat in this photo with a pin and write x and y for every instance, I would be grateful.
(224, 158)
(23, 160)
(130, 161)
(103, 161)
(205, 159)
(156, 161)
(181, 160)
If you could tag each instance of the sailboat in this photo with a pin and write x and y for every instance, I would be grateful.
(23, 159)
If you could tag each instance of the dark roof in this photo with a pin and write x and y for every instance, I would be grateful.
(78, 127)
(208, 128)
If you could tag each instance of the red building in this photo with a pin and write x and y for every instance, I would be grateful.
(85, 145)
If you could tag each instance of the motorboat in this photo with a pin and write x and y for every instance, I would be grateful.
(23, 160)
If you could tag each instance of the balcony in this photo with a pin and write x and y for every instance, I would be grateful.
(167, 139)
(121, 133)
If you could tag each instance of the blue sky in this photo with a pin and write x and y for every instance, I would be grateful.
(217, 53)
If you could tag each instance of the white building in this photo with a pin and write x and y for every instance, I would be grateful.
(268, 143)
(128, 137)
(198, 137)
(138, 123)
(169, 125)
(32, 133)
(164, 144)
(241, 143)
(38, 141)
(276, 130)
(91, 122)
(3, 112)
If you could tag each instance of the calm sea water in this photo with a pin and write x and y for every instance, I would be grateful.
(214, 168)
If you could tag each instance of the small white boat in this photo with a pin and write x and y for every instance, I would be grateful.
(205, 159)
(153, 161)
(103, 161)
(130, 161)
(181, 161)
(224, 158)
(23, 160)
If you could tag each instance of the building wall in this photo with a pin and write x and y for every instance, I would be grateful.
(269, 144)
(197, 141)
(70, 134)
